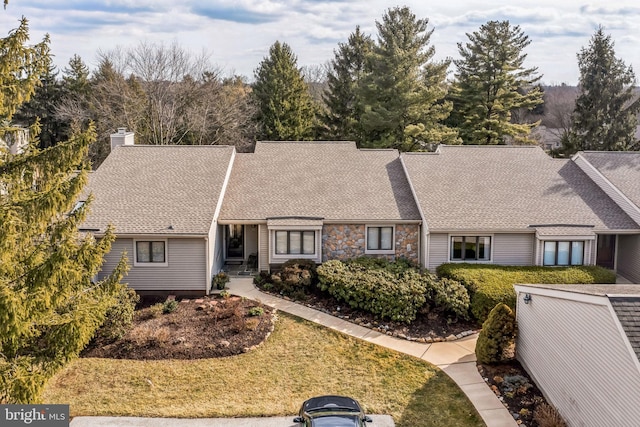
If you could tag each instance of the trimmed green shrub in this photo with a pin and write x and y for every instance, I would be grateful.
(450, 296)
(497, 335)
(490, 284)
(120, 316)
(396, 296)
(256, 311)
(169, 306)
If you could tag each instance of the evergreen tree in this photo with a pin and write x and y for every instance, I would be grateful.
(343, 119)
(405, 89)
(497, 337)
(605, 113)
(49, 306)
(285, 108)
(76, 77)
(491, 83)
(42, 106)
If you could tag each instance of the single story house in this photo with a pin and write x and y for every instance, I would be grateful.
(184, 213)
(515, 205)
(163, 202)
(581, 346)
(318, 201)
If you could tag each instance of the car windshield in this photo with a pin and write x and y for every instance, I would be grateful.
(336, 421)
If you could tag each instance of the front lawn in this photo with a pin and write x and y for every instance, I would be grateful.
(299, 360)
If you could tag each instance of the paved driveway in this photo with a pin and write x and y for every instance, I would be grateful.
(378, 421)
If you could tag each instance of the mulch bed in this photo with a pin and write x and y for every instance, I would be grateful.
(428, 325)
(511, 383)
(200, 328)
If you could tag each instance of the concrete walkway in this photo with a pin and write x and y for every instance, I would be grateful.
(457, 359)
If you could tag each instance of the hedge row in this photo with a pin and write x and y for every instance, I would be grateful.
(394, 296)
(391, 290)
(489, 285)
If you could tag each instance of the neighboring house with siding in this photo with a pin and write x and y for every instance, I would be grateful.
(512, 205)
(318, 201)
(618, 175)
(163, 202)
(581, 346)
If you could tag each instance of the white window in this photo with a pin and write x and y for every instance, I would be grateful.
(380, 239)
(150, 253)
(470, 248)
(295, 242)
(563, 253)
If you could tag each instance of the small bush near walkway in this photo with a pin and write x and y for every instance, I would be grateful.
(490, 284)
(497, 336)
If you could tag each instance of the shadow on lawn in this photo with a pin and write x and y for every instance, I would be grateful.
(434, 406)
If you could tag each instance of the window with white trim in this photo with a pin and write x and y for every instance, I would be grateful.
(379, 238)
(470, 248)
(295, 242)
(151, 252)
(563, 252)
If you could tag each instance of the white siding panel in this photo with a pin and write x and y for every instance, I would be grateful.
(578, 358)
(438, 250)
(629, 257)
(514, 249)
(263, 247)
(186, 270)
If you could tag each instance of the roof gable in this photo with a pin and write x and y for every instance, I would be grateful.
(621, 169)
(158, 189)
(332, 180)
(628, 311)
(507, 188)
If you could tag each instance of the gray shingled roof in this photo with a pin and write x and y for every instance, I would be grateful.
(500, 188)
(628, 312)
(621, 168)
(146, 189)
(330, 180)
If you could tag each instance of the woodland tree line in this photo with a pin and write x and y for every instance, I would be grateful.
(386, 91)
(382, 92)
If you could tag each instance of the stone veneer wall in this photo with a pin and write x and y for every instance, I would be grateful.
(348, 241)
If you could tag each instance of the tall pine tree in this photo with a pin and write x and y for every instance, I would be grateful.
(405, 89)
(49, 305)
(42, 106)
(343, 118)
(285, 108)
(491, 82)
(606, 110)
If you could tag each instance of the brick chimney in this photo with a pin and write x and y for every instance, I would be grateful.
(122, 137)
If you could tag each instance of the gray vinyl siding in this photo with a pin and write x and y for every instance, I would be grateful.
(629, 257)
(508, 249)
(578, 357)
(438, 250)
(186, 268)
(608, 188)
(263, 247)
(514, 249)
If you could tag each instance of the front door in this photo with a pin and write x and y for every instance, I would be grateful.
(606, 254)
(235, 241)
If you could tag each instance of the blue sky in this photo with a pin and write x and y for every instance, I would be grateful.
(237, 33)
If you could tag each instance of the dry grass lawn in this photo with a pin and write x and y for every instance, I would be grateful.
(299, 360)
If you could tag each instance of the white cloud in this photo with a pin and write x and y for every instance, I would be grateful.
(239, 32)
